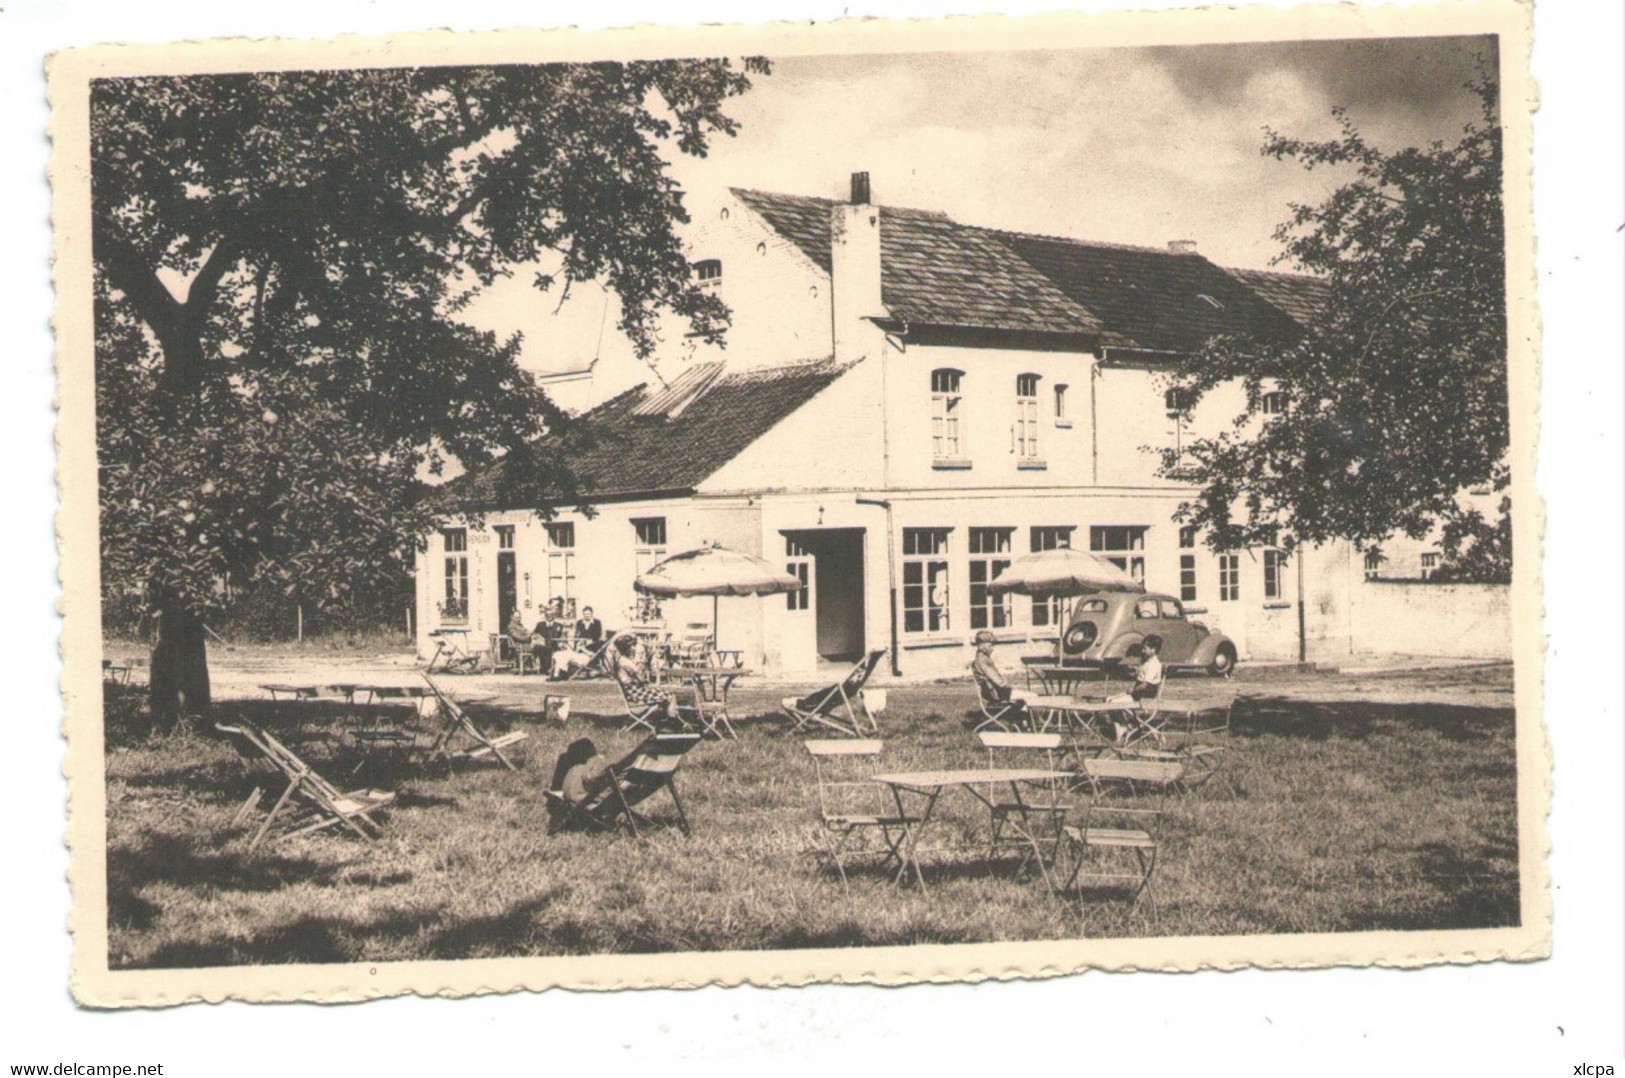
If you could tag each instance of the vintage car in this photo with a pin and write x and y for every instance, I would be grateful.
(1105, 626)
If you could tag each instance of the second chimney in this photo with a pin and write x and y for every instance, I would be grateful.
(854, 242)
(860, 189)
(1182, 247)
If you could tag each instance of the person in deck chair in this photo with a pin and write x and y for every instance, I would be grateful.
(580, 772)
(624, 667)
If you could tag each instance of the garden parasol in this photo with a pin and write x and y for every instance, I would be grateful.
(1062, 571)
(715, 571)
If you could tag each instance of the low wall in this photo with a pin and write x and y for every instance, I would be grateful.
(1468, 621)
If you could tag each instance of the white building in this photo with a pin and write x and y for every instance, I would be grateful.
(905, 404)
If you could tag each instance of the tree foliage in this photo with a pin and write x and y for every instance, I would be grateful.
(281, 259)
(1395, 398)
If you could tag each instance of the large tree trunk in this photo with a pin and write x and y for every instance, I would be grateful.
(180, 667)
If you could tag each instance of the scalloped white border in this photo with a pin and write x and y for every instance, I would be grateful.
(94, 985)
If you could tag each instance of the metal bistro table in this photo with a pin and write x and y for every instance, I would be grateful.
(1055, 679)
(711, 685)
(930, 785)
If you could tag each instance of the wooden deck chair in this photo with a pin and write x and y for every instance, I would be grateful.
(459, 729)
(325, 805)
(595, 664)
(998, 711)
(628, 783)
(850, 806)
(841, 706)
(1016, 820)
(1116, 843)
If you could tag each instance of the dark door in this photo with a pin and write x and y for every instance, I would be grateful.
(839, 588)
(507, 590)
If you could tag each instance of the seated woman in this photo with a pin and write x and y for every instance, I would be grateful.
(627, 671)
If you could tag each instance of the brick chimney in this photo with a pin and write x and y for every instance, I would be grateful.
(1182, 247)
(854, 260)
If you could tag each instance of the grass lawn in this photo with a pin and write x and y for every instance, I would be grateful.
(1359, 808)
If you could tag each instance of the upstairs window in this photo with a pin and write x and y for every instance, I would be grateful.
(708, 271)
(1430, 565)
(1272, 403)
(1178, 401)
(1025, 436)
(945, 406)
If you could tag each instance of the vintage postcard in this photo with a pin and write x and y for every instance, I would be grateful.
(881, 501)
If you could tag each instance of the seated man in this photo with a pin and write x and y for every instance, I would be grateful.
(579, 774)
(518, 635)
(987, 671)
(589, 634)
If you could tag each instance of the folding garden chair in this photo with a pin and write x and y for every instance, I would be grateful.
(639, 713)
(1200, 745)
(695, 646)
(628, 783)
(849, 806)
(1116, 843)
(998, 711)
(458, 727)
(841, 707)
(1017, 819)
(326, 806)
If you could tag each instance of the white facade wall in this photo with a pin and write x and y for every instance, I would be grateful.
(779, 297)
(601, 567)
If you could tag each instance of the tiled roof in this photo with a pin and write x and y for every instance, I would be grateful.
(615, 453)
(1299, 296)
(935, 270)
(1151, 298)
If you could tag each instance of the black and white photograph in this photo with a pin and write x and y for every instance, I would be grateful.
(1045, 500)
(798, 502)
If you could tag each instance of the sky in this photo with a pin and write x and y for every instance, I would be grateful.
(1127, 145)
(1124, 145)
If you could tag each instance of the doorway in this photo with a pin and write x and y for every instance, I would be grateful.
(834, 590)
(507, 592)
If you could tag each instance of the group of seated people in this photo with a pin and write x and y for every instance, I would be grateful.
(558, 647)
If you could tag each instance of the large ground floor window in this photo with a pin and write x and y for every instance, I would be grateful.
(925, 580)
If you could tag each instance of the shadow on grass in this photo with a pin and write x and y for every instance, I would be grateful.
(1357, 720)
(1473, 890)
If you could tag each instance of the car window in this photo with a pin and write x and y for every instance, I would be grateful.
(1170, 609)
(1092, 606)
(1146, 608)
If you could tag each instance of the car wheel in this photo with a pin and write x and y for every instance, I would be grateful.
(1224, 661)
